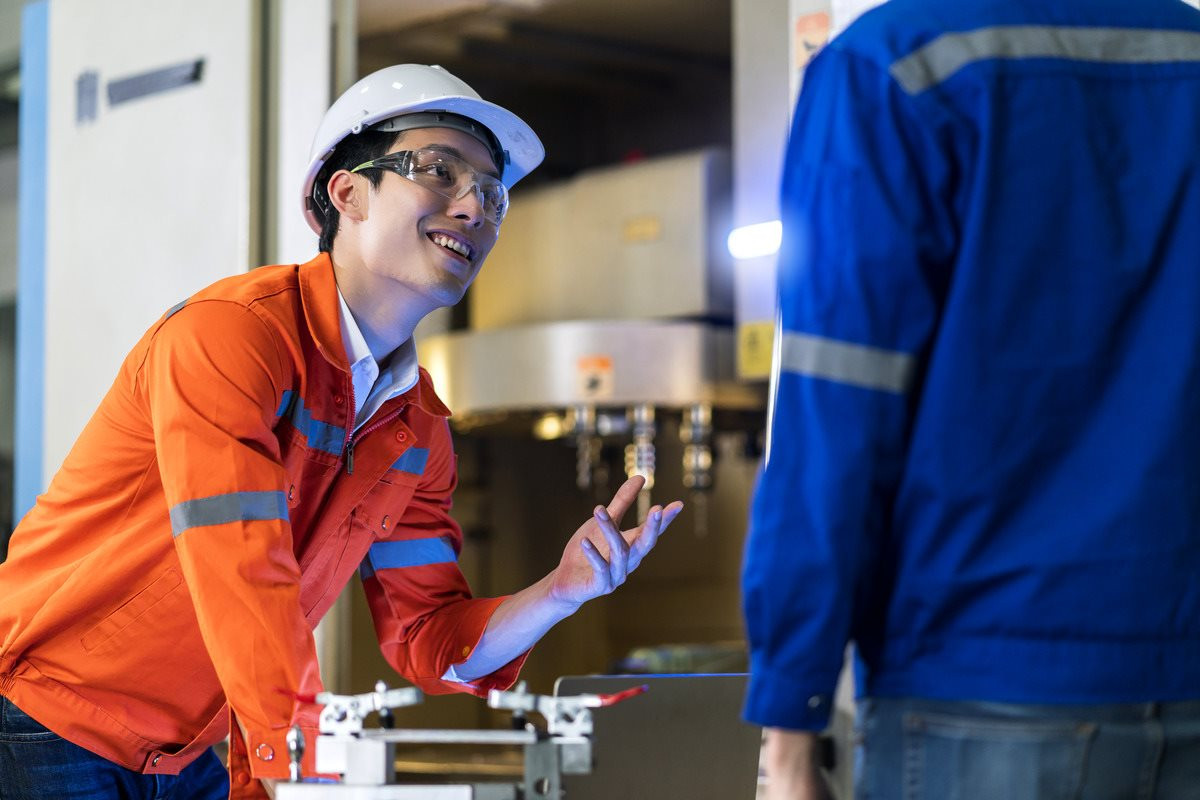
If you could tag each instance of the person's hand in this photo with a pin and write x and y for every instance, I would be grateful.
(793, 767)
(600, 556)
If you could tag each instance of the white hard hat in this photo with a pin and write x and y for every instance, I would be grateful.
(411, 88)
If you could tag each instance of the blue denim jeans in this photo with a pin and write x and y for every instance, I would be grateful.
(910, 749)
(36, 764)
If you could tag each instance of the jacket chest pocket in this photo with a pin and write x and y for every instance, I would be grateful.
(384, 506)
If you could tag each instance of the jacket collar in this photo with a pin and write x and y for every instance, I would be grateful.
(319, 296)
(424, 397)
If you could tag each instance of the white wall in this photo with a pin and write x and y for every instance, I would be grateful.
(149, 201)
(303, 53)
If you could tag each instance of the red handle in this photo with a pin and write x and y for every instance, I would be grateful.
(617, 697)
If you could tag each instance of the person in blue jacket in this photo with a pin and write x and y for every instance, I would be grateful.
(983, 461)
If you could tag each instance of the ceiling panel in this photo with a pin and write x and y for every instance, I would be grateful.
(692, 26)
(599, 80)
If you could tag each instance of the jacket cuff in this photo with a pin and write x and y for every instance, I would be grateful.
(782, 701)
(503, 678)
(468, 625)
(265, 755)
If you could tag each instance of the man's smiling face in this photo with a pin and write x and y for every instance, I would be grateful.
(431, 244)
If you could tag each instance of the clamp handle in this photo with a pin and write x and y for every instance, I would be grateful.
(295, 746)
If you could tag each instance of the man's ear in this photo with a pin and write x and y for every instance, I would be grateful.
(348, 194)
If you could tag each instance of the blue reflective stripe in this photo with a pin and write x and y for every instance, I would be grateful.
(365, 570)
(285, 403)
(232, 507)
(410, 553)
(413, 461)
(320, 435)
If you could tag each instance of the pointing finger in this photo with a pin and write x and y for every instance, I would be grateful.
(625, 497)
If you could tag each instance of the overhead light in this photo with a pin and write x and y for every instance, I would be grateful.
(754, 241)
(549, 426)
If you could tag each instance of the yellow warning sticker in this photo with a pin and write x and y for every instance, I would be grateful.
(754, 343)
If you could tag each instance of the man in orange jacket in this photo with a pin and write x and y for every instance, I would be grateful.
(266, 439)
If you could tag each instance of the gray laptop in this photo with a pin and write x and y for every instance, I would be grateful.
(683, 738)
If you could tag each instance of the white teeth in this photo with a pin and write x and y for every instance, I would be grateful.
(451, 244)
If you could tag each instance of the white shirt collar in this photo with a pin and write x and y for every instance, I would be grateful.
(373, 385)
(352, 338)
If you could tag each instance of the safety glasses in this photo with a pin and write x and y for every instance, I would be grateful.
(448, 175)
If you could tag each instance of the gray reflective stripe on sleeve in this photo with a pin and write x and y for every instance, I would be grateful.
(171, 311)
(950, 52)
(233, 507)
(852, 364)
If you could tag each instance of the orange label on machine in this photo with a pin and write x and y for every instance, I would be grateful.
(812, 32)
(595, 377)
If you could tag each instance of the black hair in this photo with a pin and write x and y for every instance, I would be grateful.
(355, 149)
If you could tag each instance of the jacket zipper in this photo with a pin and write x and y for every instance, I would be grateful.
(354, 439)
(347, 443)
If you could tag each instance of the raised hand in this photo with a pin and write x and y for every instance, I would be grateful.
(600, 555)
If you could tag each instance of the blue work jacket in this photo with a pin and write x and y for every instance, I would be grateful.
(984, 449)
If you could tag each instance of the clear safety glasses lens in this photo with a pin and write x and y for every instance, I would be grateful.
(449, 176)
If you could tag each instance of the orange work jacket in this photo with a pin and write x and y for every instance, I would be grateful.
(209, 515)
